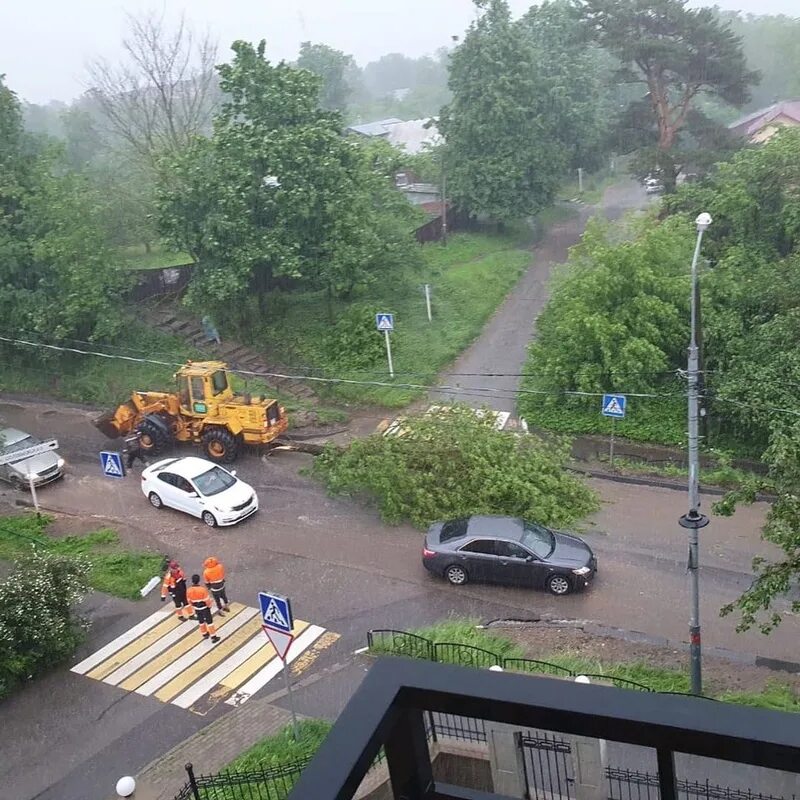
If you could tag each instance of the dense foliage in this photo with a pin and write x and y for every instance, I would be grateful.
(454, 464)
(332, 67)
(38, 624)
(503, 153)
(618, 320)
(276, 191)
(56, 276)
(677, 54)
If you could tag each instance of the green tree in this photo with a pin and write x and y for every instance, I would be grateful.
(56, 278)
(455, 464)
(333, 67)
(771, 44)
(579, 76)
(677, 53)
(617, 319)
(277, 191)
(504, 155)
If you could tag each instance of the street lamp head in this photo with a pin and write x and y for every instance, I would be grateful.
(703, 221)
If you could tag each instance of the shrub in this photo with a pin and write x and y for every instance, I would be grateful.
(455, 464)
(353, 343)
(38, 624)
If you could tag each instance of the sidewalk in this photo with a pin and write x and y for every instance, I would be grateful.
(211, 748)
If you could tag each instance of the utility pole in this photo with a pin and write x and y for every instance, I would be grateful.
(693, 520)
(444, 204)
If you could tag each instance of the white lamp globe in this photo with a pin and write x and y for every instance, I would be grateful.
(126, 786)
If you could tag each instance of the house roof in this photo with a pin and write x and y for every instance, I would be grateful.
(755, 121)
(412, 134)
(379, 128)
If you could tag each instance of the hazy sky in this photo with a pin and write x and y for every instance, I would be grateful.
(44, 44)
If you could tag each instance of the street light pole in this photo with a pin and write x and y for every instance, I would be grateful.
(694, 520)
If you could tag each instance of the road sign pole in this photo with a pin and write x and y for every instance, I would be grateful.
(428, 301)
(611, 445)
(389, 354)
(34, 496)
(291, 699)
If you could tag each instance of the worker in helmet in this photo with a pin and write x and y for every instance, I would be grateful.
(214, 578)
(174, 584)
(201, 602)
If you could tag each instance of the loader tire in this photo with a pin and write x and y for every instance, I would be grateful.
(220, 445)
(152, 438)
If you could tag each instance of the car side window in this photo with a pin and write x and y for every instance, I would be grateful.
(511, 550)
(485, 547)
(184, 485)
(167, 477)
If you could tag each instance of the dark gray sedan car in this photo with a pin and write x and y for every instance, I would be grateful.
(508, 550)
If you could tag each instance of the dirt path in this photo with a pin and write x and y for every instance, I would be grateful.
(502, 346)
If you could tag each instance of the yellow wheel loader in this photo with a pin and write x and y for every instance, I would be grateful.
(204, 410)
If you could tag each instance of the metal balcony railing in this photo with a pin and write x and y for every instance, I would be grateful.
(390, 710)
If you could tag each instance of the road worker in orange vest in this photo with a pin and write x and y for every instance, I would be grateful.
(174, 584)
(201, 602)
(214, 579)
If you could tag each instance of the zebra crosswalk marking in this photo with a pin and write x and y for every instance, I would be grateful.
(191, 673)
(259, 660)
(165, 628)
(166, 660)
(103, 653)
(275, 666)
(212, 680)
(150, 666)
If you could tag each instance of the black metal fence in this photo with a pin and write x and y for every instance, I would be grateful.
(274, 783)
(626, 784)
(403, 643)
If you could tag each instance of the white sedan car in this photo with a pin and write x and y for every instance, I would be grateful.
(200, 488)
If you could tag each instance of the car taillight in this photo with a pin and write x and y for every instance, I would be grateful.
(428, 553)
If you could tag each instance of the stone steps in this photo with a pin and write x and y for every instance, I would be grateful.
(235, 354)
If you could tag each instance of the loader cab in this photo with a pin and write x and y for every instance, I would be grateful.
(200, 385)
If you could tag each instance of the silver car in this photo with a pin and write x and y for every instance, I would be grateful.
(44, 467)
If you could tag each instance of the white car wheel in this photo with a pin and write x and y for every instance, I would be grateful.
(155, 500)
(209, 519)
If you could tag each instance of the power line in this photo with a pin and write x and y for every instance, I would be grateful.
(456, 390)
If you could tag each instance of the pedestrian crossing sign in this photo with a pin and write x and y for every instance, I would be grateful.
(276, 612)
(384, 322)
(614, 406)
(111, 462)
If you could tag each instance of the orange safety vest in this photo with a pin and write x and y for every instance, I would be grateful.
(171, 580)
(214, 574)
(199, 597)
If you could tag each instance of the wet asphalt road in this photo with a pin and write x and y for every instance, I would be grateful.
(502, 346)
(344, 570)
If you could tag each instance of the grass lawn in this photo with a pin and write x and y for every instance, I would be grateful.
(775, 695)
(114, 570)
(281, 749)
(104, 382)
(469, 278)
(136, 257)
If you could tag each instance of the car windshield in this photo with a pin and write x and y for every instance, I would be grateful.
(28, 441)
(214, 481)
(539, 540)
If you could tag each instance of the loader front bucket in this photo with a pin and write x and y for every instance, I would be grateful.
(120, 422)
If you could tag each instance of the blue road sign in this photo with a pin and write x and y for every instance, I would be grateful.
(111, 462)
(384, 322)
(614, 406)
(276, 612)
